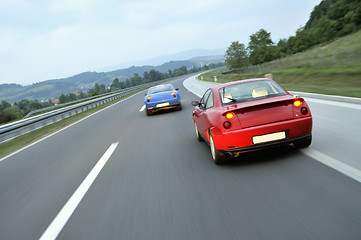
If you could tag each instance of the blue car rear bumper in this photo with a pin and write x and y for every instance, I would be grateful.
(162, 104)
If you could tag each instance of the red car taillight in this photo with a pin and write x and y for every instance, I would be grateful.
(304, 111)
(173, 93)
(230, 115)
(226, 125)
(297, 103)
(148, 98)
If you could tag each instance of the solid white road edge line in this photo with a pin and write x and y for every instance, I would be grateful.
(333, 163)
(142, 109)
(334, 103)
(65, 213)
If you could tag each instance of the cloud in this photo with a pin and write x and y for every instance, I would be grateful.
(54, 39)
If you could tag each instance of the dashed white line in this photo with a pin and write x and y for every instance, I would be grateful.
(333, 163)
(65, 213)
(142, 109)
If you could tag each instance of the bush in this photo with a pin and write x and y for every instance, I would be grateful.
(10, 114)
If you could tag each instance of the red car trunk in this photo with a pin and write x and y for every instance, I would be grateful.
(263, 111)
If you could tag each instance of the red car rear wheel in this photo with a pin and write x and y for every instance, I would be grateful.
(218, 157)
(199, 138)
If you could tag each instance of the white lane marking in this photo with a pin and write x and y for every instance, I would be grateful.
(334, 103)
(62, 129)
(142, 109)
(333, 163)
(65, 213)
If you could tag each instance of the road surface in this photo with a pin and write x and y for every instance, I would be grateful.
(119, 174)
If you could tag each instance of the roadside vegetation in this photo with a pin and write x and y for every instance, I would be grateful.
(333, 68)
(322, 57)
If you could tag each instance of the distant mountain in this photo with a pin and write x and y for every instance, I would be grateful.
(190, 54)
(122, 74)
(54, 88)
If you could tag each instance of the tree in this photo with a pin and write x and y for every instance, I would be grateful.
(10, 114)
(325, 30)
(128, 83)
(33, 105)
(137, 79)
(261, 47)
(170, 73)
(72, 97)
(282, 48)
(121, 85)
(180, 71)
(4, 105)
(24, 106)
(115, 84)
(133, 82)
(146, 76)
(63, 98)
(103, 88)
(154, 75)
(97, 88)
(259, 39)
(81, 95)
(236, 55)
(303, 40)
(206, 67)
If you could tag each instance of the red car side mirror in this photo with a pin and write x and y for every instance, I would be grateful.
(195, 103)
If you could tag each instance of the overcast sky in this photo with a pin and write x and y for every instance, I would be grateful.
(49, 39)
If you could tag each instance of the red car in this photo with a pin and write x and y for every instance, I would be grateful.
(248, 115)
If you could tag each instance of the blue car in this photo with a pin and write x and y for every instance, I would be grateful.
(162, 97)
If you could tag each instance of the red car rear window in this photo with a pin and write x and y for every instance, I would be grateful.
(250, 91)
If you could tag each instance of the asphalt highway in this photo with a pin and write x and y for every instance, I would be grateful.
(119, 174)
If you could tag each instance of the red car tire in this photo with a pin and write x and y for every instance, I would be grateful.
(218, 157)
(198, 135)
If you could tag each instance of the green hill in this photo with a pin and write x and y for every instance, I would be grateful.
(322, 57)
(83, 81)
(332, 68)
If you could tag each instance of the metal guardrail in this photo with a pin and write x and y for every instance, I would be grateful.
(46, 109)
(18, 128)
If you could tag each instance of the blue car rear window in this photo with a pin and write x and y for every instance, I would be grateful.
(160, 88)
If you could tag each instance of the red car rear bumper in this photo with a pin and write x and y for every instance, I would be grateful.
(241, 140)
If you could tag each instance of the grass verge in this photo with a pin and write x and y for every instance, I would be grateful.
(342, 82)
